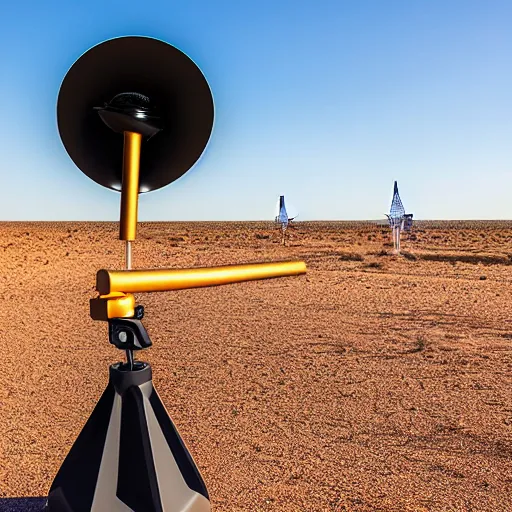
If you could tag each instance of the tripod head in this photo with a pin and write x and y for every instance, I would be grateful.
(116, 303)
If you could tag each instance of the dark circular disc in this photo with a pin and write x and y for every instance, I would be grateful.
(146, 66)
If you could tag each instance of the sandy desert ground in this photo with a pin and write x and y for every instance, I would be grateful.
(374, 383)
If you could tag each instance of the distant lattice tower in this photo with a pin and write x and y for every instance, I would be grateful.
(396, 218)
(282, 219)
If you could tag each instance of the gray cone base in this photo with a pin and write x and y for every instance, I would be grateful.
(174, 493)
(176, 496)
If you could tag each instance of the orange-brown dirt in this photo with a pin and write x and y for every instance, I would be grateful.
(375, 382)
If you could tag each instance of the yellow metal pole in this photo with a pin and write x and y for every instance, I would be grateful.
(136, 281)
(130, 186)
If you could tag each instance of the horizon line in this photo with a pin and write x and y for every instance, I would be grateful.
(371, 221)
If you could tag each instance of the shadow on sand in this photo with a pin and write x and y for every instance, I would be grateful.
(22, 504)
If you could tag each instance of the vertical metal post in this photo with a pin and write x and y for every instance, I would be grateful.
(130, 186)
(128, 254)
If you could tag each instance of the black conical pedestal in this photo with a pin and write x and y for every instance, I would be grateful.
(129, 455)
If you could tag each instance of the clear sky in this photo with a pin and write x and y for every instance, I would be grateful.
(325, 101)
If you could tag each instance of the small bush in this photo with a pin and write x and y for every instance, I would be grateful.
(486, 259)
(421, 345)
(350, 256)
(409, 256)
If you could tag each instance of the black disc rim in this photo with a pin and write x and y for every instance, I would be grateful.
(149, 66)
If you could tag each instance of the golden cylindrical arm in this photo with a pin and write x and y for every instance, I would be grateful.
(130, 186)
(159, 280)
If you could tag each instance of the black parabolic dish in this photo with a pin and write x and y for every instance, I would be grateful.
(174, 84)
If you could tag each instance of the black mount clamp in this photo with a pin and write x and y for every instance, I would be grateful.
(129, 334)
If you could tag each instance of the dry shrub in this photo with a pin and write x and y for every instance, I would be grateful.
(374, 264)
(486, 259)
(381, 253)
(409, 256)
(350, 256)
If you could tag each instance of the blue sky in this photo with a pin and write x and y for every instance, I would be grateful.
(325, 101)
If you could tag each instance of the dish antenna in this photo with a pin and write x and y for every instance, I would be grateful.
(135, 114)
